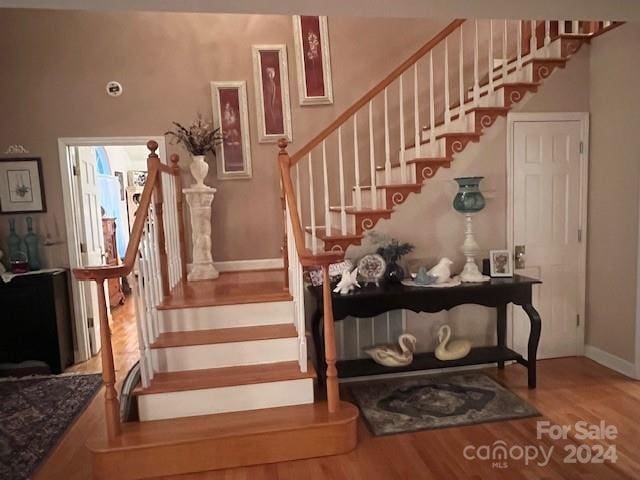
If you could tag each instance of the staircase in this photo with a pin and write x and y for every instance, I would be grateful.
(225, 379)
(418, 119)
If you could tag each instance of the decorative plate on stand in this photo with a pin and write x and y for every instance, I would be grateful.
(371, 268)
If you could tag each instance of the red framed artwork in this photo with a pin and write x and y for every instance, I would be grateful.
(271, 79)
(311, 38)
(229, 103)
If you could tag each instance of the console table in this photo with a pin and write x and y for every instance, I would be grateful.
(370, 301)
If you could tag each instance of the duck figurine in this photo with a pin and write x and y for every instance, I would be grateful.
(451, 350)
(392, 355)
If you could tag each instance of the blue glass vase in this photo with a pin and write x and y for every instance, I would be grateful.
(31, 241)
(14, 241)
(469, 198)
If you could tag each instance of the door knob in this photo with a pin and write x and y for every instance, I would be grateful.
(520, 257)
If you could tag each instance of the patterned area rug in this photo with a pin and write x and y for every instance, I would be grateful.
(436, 401)
(34, 414)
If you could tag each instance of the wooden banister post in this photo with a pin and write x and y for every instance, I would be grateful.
(158, 200)
(180, 210)
(282, 144)
(111, 403)
(333, 394)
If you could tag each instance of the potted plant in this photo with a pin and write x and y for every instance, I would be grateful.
(199, 138)
(392, 252)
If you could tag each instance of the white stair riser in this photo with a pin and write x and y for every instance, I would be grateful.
(336, 223)
(225, 316)
(235, 398)
(367, 197)
(195, 357)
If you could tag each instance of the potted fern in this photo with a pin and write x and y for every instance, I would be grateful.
(199, 138)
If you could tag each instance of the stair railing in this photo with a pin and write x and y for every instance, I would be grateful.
(155, 261)
(397, 120)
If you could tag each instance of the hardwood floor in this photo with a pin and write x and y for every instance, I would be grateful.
(570, 390)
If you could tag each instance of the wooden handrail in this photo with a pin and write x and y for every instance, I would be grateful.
(349, 112)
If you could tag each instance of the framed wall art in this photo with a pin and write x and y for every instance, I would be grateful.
(271, 79)
(311, 39)
(229, 103)
(500, 263)
(21, 185)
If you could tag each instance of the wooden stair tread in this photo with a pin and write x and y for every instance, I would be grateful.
(438, 160)
(231, 288)
(164, 382)
(321, 234)
(142, 435)
(392, 185)
(225, 335)
(354, 211)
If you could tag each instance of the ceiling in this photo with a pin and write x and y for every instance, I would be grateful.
(628, 10)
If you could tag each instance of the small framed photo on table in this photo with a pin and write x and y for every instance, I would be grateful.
(21, 186)
(501, 264)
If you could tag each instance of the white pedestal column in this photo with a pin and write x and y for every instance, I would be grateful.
(200, 200)
(470, 248)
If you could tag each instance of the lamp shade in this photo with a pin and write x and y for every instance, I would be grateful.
(469, 199)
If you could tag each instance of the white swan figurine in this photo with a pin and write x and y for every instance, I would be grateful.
(451, 350)
(392, 355)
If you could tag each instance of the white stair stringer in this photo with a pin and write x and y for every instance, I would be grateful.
(235, 398)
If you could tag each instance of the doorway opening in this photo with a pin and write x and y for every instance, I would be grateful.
(103, 179)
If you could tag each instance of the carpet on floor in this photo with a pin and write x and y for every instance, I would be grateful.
(35, 412)
(428, 402)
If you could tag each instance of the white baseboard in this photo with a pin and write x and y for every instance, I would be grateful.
(242, 265)
(610, 361)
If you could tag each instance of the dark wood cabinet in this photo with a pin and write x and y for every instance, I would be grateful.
(36, 320)
(116, 295)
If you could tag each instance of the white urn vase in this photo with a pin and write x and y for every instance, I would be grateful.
(199, 169)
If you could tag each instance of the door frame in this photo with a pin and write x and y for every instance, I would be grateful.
(82, 350)
(583, 118)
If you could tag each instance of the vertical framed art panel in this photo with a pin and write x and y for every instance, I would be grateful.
(229, 103)
(21, 185)
(313, 59)
(271, 79)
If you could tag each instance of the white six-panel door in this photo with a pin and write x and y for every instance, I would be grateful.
(548, 194)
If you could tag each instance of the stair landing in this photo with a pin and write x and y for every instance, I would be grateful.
(231, 288)
(227, 440)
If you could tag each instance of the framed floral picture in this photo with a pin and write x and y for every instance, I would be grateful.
(311, 39)
(229, 103)
(500, 263)
(271, 79)
(21, 185)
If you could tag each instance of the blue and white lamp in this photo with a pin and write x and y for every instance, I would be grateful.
(468, 201)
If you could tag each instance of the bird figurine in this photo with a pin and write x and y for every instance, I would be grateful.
(442, 270)
(451, 350)
(348, 282)
(394, 355)
(423, 278)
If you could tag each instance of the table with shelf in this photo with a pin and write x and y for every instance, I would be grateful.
(371, 300)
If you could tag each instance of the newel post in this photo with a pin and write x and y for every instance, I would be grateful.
(333, 394)
(158, 199)
(112, 405)
(284, 156)
(180, 210)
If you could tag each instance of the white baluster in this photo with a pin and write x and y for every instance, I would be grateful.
(461, 75)
(143, 342)
(343, 211)
(505, 52)
(372, 159)
(490, 57)
(533, 42)
(325, 180)
(606, 24)
(547, 37)
(575, 27)
(476, 76)
(447, 103)
(356, 159)
(387, 152)
(519, 45)
(312, 208)
(298, 191)
(432, 109)
(149, 281)
(562, 27)
(403, 165)
(416, 112)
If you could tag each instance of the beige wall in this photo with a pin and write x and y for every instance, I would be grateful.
(55, 66)
(613, 192)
